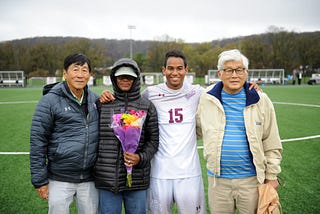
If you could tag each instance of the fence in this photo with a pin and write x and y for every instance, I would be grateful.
(267, 76)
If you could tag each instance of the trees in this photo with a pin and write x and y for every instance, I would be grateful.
(202, 58)
(156, 52)
(275, 49)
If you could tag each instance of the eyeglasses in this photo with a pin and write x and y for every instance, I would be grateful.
(127, 77)
(229, 71)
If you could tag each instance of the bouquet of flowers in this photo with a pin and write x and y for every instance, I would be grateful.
(127, 127)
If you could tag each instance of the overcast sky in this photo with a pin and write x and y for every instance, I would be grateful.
(189, 20)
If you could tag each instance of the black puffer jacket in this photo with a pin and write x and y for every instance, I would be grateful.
(110, 171)
(64, 134)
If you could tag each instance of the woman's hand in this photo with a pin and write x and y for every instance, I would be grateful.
(131, 159)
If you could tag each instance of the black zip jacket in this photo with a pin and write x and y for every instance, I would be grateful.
(63, 137)
(110, 171)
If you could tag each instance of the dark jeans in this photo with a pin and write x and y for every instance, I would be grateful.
(134, 202)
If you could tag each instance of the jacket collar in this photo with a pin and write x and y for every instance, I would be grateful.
(252, 96)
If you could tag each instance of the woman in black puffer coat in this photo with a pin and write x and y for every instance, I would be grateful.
(110, 169)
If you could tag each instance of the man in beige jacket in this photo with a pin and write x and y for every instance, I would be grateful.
(241, 141)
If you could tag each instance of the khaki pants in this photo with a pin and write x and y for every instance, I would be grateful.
(61, 195)
(228, 195)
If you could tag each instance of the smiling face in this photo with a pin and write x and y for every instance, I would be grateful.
(77, 76)
(233, 81)
(125, 82)
(175, 72)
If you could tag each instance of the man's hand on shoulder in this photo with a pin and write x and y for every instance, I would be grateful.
(106, 97)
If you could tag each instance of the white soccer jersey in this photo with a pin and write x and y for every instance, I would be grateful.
(177, 156)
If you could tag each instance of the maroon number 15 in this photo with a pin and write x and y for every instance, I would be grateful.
(176, 115)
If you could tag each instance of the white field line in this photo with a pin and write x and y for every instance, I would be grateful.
(14, 153)
(199, 147)
(18, 102)
(300, 138)
(297, 104)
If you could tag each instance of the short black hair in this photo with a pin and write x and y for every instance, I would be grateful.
(78, 58)
(175, 53)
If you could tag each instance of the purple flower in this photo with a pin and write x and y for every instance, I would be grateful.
(127, 127)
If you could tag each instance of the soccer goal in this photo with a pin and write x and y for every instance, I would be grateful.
(151, 78)
(12, 78)
(212, 77)
(267, 76)
(42, 81)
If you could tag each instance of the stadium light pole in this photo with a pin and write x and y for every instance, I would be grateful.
(131, 27)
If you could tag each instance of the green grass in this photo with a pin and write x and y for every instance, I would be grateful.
(305, 94)
(300, 193)
(300, 165)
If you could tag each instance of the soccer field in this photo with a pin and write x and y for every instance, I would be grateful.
(298, 116)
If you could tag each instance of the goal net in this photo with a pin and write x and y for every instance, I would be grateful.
(267, 76)
(12, 78)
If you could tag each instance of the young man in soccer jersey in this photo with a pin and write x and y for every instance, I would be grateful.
(241, 141)
(176, 171)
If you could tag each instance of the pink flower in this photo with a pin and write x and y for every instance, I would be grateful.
(127, 127)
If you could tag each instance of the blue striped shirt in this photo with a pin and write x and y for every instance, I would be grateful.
(236, 158)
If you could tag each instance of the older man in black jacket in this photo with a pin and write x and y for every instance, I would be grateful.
(64, 140)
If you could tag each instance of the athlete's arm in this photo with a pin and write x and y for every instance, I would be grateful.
(255, 86)
(106, 97)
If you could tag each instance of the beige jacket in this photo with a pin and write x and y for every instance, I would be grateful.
(261, 129)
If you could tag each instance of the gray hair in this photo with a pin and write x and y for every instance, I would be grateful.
(232, 55)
